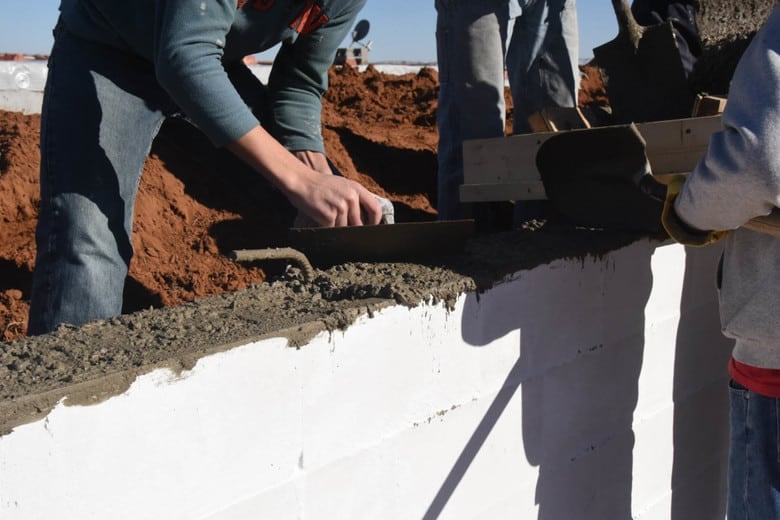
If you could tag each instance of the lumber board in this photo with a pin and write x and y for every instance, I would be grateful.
(706, 105)
(673, 146)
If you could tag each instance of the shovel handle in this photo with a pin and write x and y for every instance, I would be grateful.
(627, 24)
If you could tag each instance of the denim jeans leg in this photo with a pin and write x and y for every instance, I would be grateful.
(102, 109)
(754, 456)
(471, 43)
(542, 59)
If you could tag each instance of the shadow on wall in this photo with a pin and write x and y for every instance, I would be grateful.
(579, 366)
(700, 432)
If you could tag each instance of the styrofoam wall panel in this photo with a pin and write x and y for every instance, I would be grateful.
(588, 389)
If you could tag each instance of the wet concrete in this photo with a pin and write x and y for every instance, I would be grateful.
(101, 359)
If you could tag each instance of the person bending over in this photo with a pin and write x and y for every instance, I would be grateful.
(117, 70)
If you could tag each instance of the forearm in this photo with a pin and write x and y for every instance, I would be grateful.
(258, 149)
(327, 200)
(314, 160)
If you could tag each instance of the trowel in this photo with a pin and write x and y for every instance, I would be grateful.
(399, 242)
(385, 242)
(310, 246)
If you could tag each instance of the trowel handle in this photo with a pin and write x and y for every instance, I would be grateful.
(627, 25)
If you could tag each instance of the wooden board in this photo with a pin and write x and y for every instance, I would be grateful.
(504, 168)
(706, 105)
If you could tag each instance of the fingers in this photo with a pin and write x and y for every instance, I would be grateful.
(337, 201)
(344, 213)
(352, 205)
(370, 208)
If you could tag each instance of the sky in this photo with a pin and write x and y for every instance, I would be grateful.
(400, 29)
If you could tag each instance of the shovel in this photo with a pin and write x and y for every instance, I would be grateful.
(599, 187)
(642, 71)
(610, 185)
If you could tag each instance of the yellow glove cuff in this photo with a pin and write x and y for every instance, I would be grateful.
(676, 228)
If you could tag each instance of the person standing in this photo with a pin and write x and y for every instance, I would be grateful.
(536, 41)
(117, 70)
(739, 179)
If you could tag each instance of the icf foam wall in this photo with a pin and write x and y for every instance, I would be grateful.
(583, 389)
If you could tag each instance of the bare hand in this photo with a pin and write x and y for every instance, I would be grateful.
(304, 178)
(330, 201)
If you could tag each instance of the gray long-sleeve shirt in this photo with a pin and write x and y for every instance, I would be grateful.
(738, 179)
(186, 41)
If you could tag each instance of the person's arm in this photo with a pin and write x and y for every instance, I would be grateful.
(739, 177)
(299, 78)
(317, 161)
(188, 51)
(327, 199)
(189, 43)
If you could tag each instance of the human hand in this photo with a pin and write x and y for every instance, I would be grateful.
(331, 201)
(318, 162)
(307, 181)
(678, 230)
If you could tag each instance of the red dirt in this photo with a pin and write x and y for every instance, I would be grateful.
(195, 203)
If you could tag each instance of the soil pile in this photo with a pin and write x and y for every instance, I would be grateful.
(196, 203)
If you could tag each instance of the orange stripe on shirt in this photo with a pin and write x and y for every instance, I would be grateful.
(309, 19)
(262, 5)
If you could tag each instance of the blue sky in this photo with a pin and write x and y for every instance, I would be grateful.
(400, 29)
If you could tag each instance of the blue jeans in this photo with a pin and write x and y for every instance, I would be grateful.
(754, 456)
(102, 108)
(475, 39)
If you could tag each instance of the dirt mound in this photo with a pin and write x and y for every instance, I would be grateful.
(195, 203)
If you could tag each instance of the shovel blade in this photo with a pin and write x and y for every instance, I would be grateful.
(592, 177)
(647, 81)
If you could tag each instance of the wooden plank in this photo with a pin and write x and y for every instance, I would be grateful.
(706, 105)
(502, 160)
(677, 146)
(674, 146)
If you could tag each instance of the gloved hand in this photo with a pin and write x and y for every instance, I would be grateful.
(676, 228)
